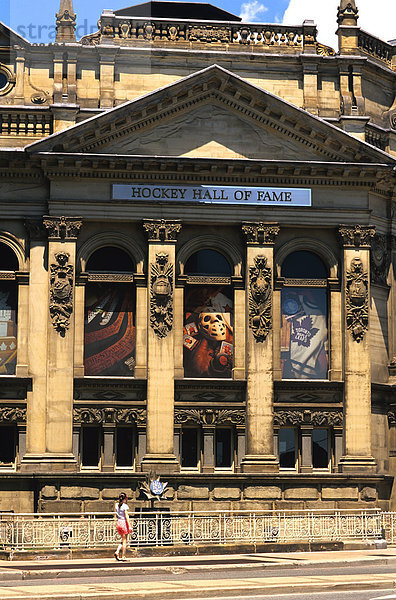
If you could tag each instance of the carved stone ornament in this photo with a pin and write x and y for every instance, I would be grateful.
(161, 230)
(319, 418)
(208, 416)
(356, 299)
(161, 295)
(356, 236)
(260, 298)
(380, 259)
(260, 233)
(110, 415)
(12, 414)
(392, 417)
(61, 292)
(62, 228)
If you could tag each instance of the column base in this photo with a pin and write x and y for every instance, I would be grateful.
(259, 463)
(357, 464)
(47, 462)
(160, 464)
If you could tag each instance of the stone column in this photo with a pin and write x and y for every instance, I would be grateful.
(107, 57)
(239, 370)
(208, 449)
(260, 456)
(141, 326)
(62, 236)
(160, 455)
(22, 368)
(306, 449)
(356, 242)
(336, 328)
(79, 305)
(241, 446)
(37, 347)
(109, 432)
(310, 82)
(19, 96)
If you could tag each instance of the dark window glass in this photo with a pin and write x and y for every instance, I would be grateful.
(90, 446)
(8, 259)
(207, 262)
(7, 445)
(189, 447)
(124, 455)
(3, 80)
(320, 448)
(223, 447)
(110, 260)
(287, 448)
(303, 265)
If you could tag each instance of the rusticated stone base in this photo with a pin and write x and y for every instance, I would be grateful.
(97, 492)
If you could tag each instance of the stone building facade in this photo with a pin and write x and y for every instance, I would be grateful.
(197, 263)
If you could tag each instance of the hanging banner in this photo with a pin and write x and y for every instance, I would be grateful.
(213, 194)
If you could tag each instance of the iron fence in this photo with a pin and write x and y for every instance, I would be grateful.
(96, 530)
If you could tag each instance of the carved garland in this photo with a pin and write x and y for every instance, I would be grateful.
(61, 292)
(161, 295)
(356, 301)
(110, 415)
(209, 416)
(260, 298)
(307, 417)
(13, 414)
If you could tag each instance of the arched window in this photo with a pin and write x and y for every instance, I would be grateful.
(208, 316)
(8, 310)
(109, 336)
(304, 328)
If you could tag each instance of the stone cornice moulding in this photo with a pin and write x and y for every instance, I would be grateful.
(221, 86)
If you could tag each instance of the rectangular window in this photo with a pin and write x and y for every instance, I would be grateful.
(287, 448)
(304, 344)
(208, 338)
(8, 327)
(90, 446)
(223, 449)
(189, 447)
(320, 448)
(7, 445)
(109, 331)
(124, 447)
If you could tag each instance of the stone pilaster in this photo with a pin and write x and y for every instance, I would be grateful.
(62, 237)
(356, 241)
(160, 455)
(260, 238)
(37, 347)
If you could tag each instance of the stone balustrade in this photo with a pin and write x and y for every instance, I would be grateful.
(377, 48)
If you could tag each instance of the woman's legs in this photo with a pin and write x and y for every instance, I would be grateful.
(124, 545)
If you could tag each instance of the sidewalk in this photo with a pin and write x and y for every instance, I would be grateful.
(192, 588)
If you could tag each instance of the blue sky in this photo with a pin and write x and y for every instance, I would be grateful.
(36, 21)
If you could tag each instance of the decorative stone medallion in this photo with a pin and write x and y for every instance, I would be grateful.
(61, 292)
(260, 298)
(356, 300)
(161, 295)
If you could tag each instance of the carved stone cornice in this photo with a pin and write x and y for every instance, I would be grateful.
(36, 230)
(315, 418)
(62, 228)
(259, 233)
(260, 298)
(109, 415)
(207, 416)
(161, 230)
(356, 236)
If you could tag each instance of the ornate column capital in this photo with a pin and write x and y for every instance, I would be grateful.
(160, 230)
(260, 234)
(62, 228)
(356, 236)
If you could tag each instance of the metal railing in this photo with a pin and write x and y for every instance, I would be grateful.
(96, 530)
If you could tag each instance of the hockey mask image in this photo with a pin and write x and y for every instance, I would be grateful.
(212, 324)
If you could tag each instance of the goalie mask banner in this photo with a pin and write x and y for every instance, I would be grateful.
(304, 353)
(109, 340)
(208, 339)
(8, 328)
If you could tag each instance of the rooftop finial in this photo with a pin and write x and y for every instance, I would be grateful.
(347, 13)
(65, 22)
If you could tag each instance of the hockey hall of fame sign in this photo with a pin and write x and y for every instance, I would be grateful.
(213, 194)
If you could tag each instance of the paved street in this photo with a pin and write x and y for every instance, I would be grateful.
(358, 575)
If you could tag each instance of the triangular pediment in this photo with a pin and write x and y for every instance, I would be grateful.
(212, 114)
(8, 37)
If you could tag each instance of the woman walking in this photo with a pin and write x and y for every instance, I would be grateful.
(123, 527)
